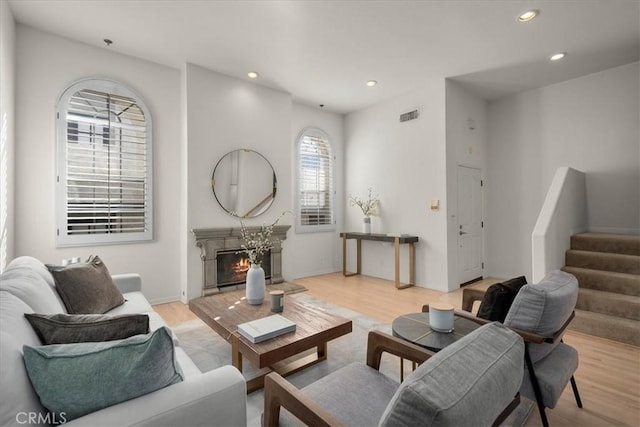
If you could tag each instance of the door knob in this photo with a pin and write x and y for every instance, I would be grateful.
(462, 232)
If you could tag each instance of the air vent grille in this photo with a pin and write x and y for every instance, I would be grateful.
(410, 115)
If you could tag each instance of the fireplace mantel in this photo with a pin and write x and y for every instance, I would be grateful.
(212, 240)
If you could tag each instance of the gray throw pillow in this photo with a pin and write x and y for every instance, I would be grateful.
(86, 288)
(73, 380)
(74, 328)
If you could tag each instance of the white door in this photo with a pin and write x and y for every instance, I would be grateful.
(470, 224)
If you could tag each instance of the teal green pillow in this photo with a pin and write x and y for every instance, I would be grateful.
(73, 380)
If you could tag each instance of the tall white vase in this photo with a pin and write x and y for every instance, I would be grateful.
(255, 285)
(367, 225)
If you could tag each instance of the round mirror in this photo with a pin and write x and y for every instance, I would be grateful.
(244, 183)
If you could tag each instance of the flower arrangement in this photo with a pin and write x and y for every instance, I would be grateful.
(369, 206)
(257, 243)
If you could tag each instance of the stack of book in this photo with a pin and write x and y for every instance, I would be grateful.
(265, 328)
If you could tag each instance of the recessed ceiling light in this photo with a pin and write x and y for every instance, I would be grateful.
(528, 15)
(253, 75)
(557, 56)
(371, 83)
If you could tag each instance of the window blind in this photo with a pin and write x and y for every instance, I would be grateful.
(106, 166)
(315, 185)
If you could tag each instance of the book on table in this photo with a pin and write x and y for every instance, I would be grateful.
(265, 328)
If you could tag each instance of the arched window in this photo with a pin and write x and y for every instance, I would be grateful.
(104, 165)
(315, 191)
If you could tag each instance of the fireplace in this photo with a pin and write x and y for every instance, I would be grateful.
(218, 245)
(232, 267)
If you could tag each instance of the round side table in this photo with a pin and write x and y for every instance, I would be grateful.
(414, 327)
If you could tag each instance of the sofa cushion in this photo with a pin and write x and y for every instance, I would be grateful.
(12, 320)
(74, 328)
(187, 366)
(498, 299)
(86, 288)
(35, 265)
(16, 393)
(543, 308)
(24, 279)
(76, 379)
(136, 302)
(469, 382)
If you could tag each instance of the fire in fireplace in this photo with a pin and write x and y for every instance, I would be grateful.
(232, 267)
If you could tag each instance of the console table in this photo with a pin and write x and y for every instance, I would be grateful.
(397, 240)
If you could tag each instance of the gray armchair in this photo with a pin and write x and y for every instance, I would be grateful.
(540, 313)
(471, 382)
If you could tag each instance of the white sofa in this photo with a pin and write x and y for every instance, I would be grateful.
(216, 397)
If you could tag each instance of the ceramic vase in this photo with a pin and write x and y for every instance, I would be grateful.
(367, 225)
(255, 285)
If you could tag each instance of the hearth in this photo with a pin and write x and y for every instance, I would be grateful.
(216, 243)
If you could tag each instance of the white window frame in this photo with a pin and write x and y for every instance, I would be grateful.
(63, 238)
(305, 228)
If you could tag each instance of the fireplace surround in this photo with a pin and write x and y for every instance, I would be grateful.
(214, 242)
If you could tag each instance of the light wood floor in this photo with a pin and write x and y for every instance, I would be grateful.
(608, 376)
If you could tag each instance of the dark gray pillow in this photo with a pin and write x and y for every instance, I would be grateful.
(73, 328)
(498, 299)
(72, 380)
(86, 288)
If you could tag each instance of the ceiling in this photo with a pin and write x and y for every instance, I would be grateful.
(323, 52)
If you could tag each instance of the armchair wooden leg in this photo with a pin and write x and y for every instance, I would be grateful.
(574, 386)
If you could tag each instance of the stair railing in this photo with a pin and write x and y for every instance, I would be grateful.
(563, 213)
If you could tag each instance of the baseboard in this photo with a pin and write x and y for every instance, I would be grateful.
(313, 273)
(166, 300)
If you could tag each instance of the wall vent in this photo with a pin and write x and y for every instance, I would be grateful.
(410, 115)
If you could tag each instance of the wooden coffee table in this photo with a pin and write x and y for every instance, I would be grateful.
(315, 327)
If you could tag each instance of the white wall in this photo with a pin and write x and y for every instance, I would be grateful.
(7, 134)
(224, 114)
(318, 253)
(46, 65)
(466, 146)
(590, 124)
(198, 115)
(405, 163)
(563, 213)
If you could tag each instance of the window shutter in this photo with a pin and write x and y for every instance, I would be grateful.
(106, 170)
(315, 182)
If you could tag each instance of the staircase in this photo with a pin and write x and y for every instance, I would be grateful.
(607, 267)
